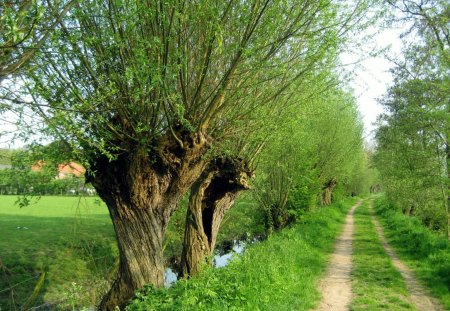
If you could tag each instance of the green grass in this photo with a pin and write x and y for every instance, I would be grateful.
(426, 252)
(280, 273)
(377, 285)
(73, 241)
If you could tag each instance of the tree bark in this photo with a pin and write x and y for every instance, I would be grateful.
(327, 192)
(141, 191)
(447, 206)
(212, 195)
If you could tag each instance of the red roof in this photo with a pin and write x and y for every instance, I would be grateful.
(72, 168)
(64, 169)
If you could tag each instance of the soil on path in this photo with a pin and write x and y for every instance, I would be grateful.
(336, 285)
(418, 295)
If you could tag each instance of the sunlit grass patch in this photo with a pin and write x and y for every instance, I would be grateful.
(72, 240)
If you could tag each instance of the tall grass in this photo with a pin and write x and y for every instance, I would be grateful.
(280, 273)
(424, 251)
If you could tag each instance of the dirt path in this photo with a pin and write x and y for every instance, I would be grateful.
(418, 295)
(336, 285)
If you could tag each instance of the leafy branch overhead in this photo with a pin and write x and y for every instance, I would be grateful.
(24, 27)
(116, 74)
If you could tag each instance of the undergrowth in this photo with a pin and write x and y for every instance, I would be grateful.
(280, 273)
(424, 251)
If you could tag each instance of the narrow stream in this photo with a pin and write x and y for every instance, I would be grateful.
(221, 259)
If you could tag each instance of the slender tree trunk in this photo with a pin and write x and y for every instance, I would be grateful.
(141, 192)
(447, 207)
(212, 195)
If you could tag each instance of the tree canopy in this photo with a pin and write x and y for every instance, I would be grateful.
(412, 139)
(116, 74)
(24, 28)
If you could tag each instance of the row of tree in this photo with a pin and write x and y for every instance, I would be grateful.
(27, 182)
(413, 153)
(317, 154)
(38, 184)
(158, 99)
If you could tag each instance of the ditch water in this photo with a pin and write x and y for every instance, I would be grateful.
(221, 259)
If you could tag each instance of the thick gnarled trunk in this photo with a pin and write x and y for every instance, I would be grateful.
(327, 192)
(141, 192)
(139, 233)
(212, 195)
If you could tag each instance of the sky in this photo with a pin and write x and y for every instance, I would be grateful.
(372, 78)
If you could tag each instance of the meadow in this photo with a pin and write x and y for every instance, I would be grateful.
(60, 252)
(70, 239)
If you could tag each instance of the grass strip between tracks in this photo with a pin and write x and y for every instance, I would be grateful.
(377, 285)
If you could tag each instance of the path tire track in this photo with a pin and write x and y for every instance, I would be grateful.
(336, 285)
(418, 295)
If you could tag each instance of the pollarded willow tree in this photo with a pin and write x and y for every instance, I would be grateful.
(339, 146)
(229, 172)
(316, 150)
(144, 90)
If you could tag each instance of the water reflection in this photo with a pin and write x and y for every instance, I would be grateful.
(221, 259)
(170, 277)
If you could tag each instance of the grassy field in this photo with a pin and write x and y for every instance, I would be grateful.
(280, 273)
(377, 285)
(425, 252)
(72, 240)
